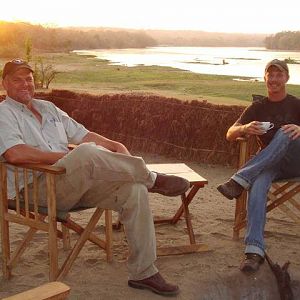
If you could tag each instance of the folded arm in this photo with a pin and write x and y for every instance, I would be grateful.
(26, 154)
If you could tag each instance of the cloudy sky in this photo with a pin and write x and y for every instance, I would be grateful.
(255, 16)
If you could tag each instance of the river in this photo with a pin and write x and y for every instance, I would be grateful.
(233, 61)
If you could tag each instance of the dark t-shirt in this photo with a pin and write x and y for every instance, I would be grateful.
(280, 113)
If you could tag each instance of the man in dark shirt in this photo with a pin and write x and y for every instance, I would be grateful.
(279, 157)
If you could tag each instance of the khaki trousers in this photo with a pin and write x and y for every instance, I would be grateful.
(97, 177)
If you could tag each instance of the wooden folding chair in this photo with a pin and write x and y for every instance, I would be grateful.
(282, 193)
(25, 211)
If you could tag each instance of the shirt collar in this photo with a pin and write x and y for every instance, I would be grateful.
(21, 106)
(15, 103)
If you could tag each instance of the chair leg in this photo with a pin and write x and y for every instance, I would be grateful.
(4, 223)
(52, 227)
(65, 237)
(240, 215)
(21, 248)
(108, 234)
(5, 248)
(78, 229)
(80, 242)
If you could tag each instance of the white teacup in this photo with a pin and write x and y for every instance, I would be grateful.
(265, 126)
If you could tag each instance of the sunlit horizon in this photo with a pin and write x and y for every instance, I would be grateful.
(231, 16)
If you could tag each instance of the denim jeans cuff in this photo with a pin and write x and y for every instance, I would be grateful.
(241, 181)
(254, 249)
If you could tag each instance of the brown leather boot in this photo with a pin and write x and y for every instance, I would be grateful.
(169, 185)
(230, 189)
(251, 262)
(156, 284)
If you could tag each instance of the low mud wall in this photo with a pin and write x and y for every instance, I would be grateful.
(191, 130)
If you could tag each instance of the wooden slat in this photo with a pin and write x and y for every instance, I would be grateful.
(26, 221)
(66, 237)
(286, 196)
(35, 194)
(21, 247)
(295, 204)
(289, 212)
(281, 189)
(78, 229)
(191, 194)
(17, 189)
(188, 221)
(26, 195)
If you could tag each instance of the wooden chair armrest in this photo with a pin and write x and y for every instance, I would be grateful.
(242, 139)
(51, 290)
(41, 168)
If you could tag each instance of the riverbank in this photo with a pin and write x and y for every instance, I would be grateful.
(87, 74)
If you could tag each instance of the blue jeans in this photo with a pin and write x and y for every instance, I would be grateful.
(279, 160)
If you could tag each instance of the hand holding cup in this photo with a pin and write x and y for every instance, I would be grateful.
(265, 126)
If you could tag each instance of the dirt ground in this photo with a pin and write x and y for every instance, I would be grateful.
(211, 275)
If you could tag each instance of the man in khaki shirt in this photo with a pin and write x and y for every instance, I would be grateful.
(99, 172)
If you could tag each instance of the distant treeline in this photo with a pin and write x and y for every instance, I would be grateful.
(13, 37)
(206, 39)
(286, 40)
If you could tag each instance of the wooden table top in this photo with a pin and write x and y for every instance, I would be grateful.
(178, 169)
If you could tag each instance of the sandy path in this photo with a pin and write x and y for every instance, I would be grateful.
(211, 275)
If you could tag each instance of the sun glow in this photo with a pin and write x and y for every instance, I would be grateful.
(215, 15)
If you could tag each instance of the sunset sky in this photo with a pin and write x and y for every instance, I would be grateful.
(255, 16)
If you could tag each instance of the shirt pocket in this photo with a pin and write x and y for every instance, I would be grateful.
(54, 131)
(32, 136)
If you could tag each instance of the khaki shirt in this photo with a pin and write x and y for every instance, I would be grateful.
(18, 126)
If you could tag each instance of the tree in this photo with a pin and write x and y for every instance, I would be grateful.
(43, 74)
(28, 49)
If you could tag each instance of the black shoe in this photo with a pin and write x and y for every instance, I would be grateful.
(230, 189)
(169, 185)
(251, 263)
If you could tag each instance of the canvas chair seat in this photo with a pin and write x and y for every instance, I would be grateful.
(295, 179)
(29, 213)
(61, 215)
